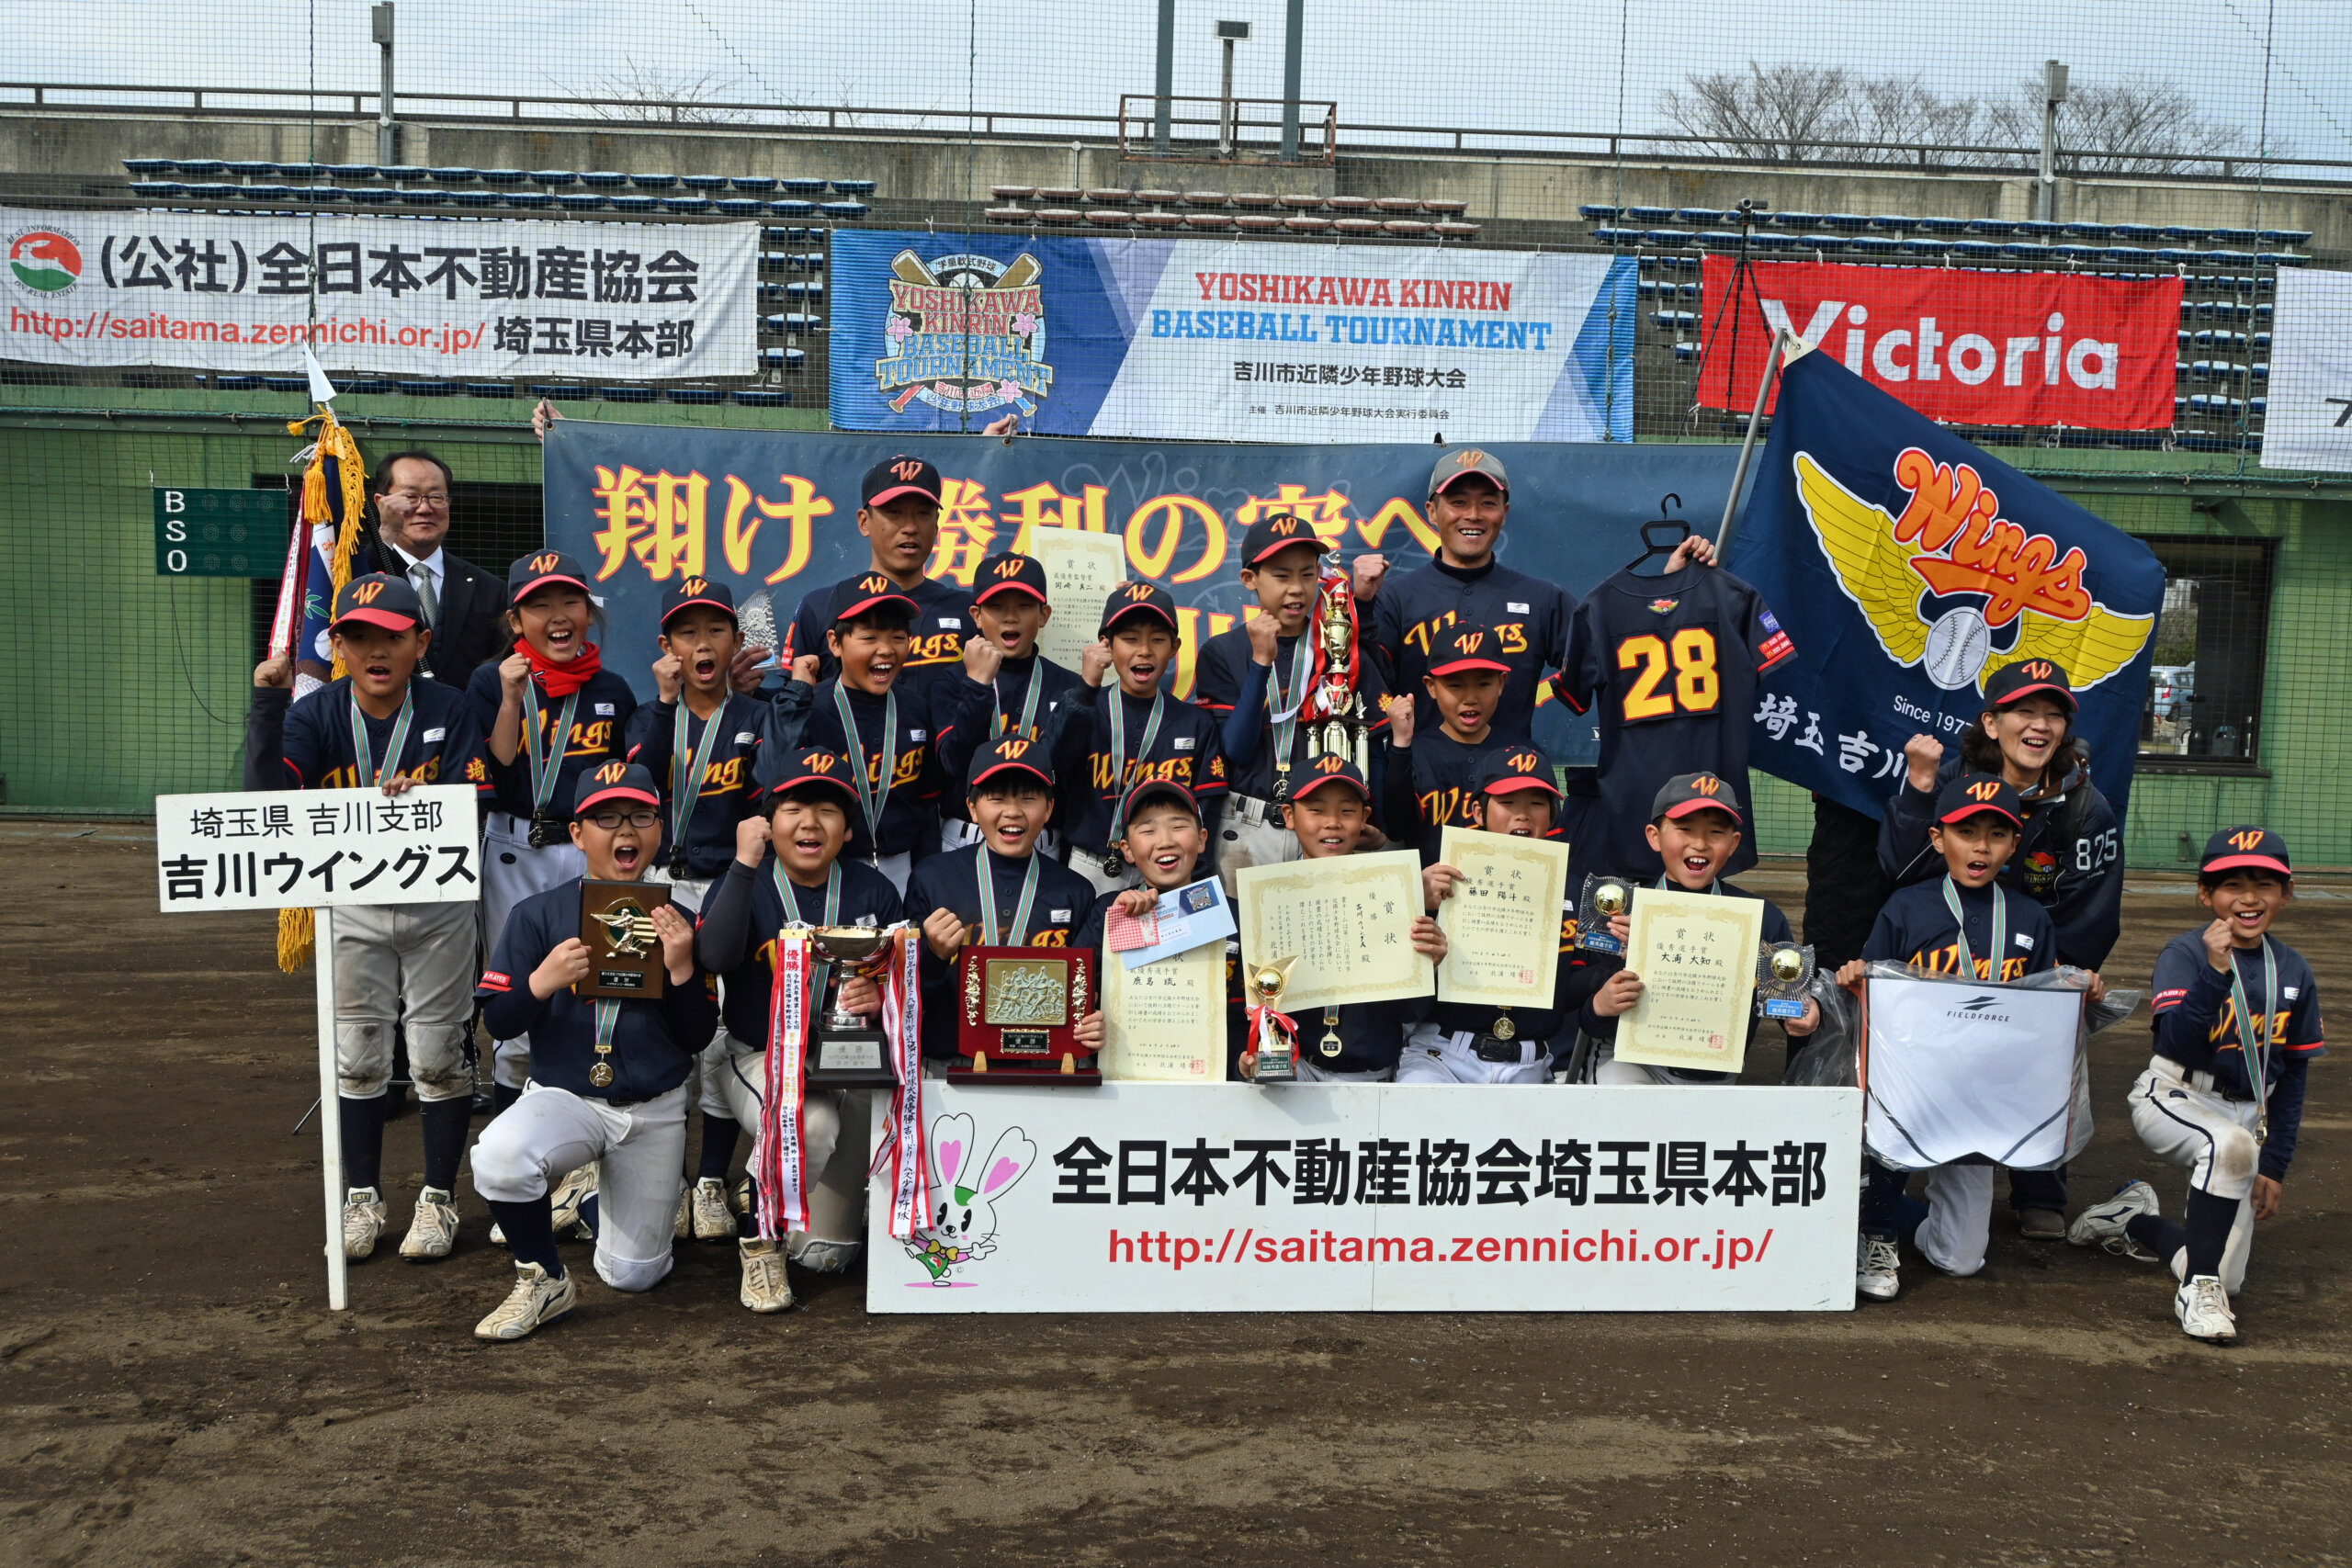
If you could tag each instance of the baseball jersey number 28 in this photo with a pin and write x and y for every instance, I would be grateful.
(1690, 656)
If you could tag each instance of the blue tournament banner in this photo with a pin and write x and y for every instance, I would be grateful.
(640, 505)
(1229, 339)
(1908, 566)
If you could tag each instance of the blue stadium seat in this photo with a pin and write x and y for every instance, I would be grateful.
(400, 174)
(696, 395)
(157, 190)
(287, 383)
(2187, 236)
(1647, 288)
(477, 197)
(1993, 228)
(2261, 343)
(302, 172)
(741, 207)
(214, 191)
(146, 169)
(1701, 216)
(753, 184)
(1826, 244)
(2285, 236)
(604, 179)
(793, 209)
(1680, 263)
(654, 182)
(502, 178)
(2225, 258)
(242, 384)
(704, 183)
(453, 174)
(267, 193)
(1719, 239)
(1975, 248)
(551, 389)
(844, 211)
(1876, 245)
(1685, 292)
(2257, 406)
(632, 394)
(636, 204)
(784, 359)
(582, 201)
(2227, 341)
(773, 261)
(800, 321)
(2075, 252)
(429, 388)
(1945, 226)
(758, 398)
(2099, 233)
(2129, 255)
(2174, 256)
(1675, 320)
(552, 177)
(810, 293)
(1796, 221)
(685, 203)
(1591, 212)
(1844, 222)
(488, 390)
(1891, 222)
(2138, 233)
(1613, 237)
(2260, 313)
(803, 186)
(1686, 351)
(1762, 241)
(2039, 229)
(1926, 245)
(2236, 236)
(2283, 258)
(531, 201)
(246, 170)
(853, 187)
(812, 261)
(204, 169)
(373, 387)
(422, 195)
(346, 173)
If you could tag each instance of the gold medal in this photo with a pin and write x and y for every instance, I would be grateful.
(1504, 1028)
(601, 1075)
(1330, 1044)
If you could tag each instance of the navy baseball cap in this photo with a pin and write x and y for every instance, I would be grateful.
(1271, 535)
(1510, 769)
(1686, 793)
(1329, 769)
(2244, 848)
(1972, 793)
(688, 592)
(894, 477)
(1014, 754)
(378, 599)
(614, 780)
(1010, 574)
(1137, 598)
(2027, 678)
(1464, 461)
(853, 596)
(1144, 794)
(1466, 649)
(540, 568)
(811, 766)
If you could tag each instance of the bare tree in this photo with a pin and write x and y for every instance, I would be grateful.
(1780, 113)
(640, 91)
(2140, 125)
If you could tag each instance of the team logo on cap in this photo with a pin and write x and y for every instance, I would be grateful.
(693, 587)
(366, 592)
(611, 772)
(543, 564)
(1708, 785)
(2038, 669)
(1523, 762)
(1982, 789)
(2247, 841)
(1468, 458)
(907, 469)
(1468, 642)
(1010, 565)
(1329, 763)
(818, 762)
(1012, 751)
(875, 583)
(963, 333)
(1952, 542)
(1136, 592)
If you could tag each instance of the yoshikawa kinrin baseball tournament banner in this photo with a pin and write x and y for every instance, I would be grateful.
(643, 506)
(1230, 340)
(411, 296)
(1909, 567)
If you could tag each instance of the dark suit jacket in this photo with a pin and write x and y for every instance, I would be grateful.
(473, 611)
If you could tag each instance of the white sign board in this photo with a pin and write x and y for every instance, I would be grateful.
(1232, 1197)
(306, 849)
(1957, 1069)
(2308, 423)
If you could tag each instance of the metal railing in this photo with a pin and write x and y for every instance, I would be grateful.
(1239, 129)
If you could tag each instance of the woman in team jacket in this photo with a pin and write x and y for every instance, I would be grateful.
(2070, 859)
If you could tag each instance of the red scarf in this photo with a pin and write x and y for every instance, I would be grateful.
(562, 679)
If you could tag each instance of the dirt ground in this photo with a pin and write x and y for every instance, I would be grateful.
(176, 1392)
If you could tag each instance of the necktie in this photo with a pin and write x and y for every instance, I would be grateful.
(422, 575)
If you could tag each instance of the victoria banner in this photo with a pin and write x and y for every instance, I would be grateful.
(1230, 340)
(1910, 566)
(409, 296)
(644, 505)
(1963, 346)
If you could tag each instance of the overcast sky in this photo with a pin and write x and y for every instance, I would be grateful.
(1542, 64)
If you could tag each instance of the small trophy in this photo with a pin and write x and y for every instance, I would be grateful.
(1604, 897)
(624, 949)
(850, 1050)
(755, 618)
(1275, 1045)
(1783, 970)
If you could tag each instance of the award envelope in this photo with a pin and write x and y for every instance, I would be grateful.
(1502, 926)
(624, 953)
(1696, 955)
(1183, 920)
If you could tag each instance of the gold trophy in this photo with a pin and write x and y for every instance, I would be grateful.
(850, 1050)
(1783, 971)
(1340, 723)
(1275, 1046)
(1605, 897)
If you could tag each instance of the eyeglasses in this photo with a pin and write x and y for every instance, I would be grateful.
(421, 497)
(610, 822)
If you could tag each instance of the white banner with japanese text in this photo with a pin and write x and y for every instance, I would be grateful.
(276, 849)
(409, 296)
(1384, 1198)
(2310, 419)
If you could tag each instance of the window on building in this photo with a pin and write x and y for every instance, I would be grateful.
(2204, 699)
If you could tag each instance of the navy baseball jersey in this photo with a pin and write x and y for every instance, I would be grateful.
(1587, 972)
(965, 715)
(952, 882)
(945, 615)
(1667, 666)
(309, 745)
(599, 730)
(723, 797)
(1187, 751)
(654, 1043)
(2195, 1024)
(735, 938)
(1432, 784)
(806, 715)
(1915, 928)
(1531, 617)
(1225, 678)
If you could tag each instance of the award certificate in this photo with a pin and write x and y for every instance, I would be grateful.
(1081, 569)
(1696, 955)
(1349, 921)
(1502, 926)
(1164, 1022)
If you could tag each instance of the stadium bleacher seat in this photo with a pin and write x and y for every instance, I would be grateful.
(629, 394)
(803, 184)
(1263, 201)
(1155, 219)
(1616, 238)
(554, 390)
(1662, 239)
(1339, 225)
(1106, 216)
(696, 395)
(811, 260)
(1007, 214)
(636, 203)
(2038, 229)
(1720, 238)
(741, 207)
(2187, 235)
(2283, 258)
(1944, 226)
(243, 384)
(1300, 202)
(1796, 221)
(1107, 196)
(428, 388)
(1455, 228)
(1875, 245)
(1845, 222)
(1926, 245)
(844, 211)
(211, 190)
(1204, 199)
(488, 390)
(157, 190)
(373, 387)
(207, 169)
(1975, 250)
(706, 184)
(793, 207)
(2138, 233)
(2075, 252)
(1593, 212)
(246, 169)
(1686, 351)
(1012, 193)
(301, 173)
(753, 184)
(1701, 216)
(2284, 236)
(2236, 236)
(1891, 222)
(1350, 204)
(2098, 233)
(1308, 223)
(2129, 256)
(267, 193)
(582, 201)
(654, 182)
(451, 175)
(502, 177)
(1827, 245)
(146, 169)
(854, 188)
(531, 201)
(552, 177)
(1160, 197)
(685, 203)
(1675, 320)
(1404, 228)
(1992, 228)
(604, 179)
(759, 398)
(2173, 256)
(1649, 215)
(347, 172)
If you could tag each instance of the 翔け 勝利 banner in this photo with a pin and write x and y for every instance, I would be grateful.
(1228, 338)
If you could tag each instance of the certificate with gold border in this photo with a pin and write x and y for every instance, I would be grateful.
(1696, 955)
(1164, 1022)
(1502, 925)
(1348, 920)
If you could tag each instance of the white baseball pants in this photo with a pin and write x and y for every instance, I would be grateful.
(2191, 1125)
(552, 1132)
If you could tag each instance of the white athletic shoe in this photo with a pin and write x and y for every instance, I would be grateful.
(823, 1256)
(2203, 1308)
(712, 1222)
(2102, 1225)
(765, 1288)
(1878, 1269)
(683, 1227)
(535, 1301)
(434, 1231)
(571, 1193)
(363, 1221)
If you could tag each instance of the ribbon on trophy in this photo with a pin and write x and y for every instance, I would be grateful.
(780, 1152)
(1268, 1025)
(902, 1148)
(1331, 691)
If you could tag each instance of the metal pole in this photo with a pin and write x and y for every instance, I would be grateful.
(2053, 92)
(330, 1121)
(1164, 81)
(388, 131)
(1747, 447)
(1225, 107)
(1294, 24)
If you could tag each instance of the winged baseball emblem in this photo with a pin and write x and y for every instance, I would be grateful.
(628, 928)
(1952, 541)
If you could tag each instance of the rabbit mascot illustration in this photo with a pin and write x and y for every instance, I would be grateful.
(962, 1219)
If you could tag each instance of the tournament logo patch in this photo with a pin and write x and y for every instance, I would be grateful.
(1955, 588)
(1663, 607)
(966, 333)
(44, 260)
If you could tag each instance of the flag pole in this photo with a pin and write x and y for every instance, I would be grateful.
(1772, 363)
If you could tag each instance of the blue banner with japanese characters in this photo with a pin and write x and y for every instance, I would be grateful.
(1910, 566)
(643, 505)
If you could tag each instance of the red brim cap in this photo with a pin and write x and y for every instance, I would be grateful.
(538, 583)
(2248, 863)
(996, 588)
(1151, 788)
(853, 611)
(840, 786)
(618, 792)
(1152, 610)
(1974, 808)
(1682, 808)
(1031, 769)
(1459, 665)
(2051, 688)
(897, 490)
(391, 620)
(1451, 479)
(1310, 542)
(1519, 783)
(674, 611)
(1341, 779)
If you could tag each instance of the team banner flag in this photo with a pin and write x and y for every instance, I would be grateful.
(1910, 566)
(2309, 419)
(1230, 340)
(1963, 346)
(230, 292)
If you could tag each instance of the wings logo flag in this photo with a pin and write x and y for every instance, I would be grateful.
(1920, 566)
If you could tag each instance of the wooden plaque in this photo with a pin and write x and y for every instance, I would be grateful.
(624, 951)
(1016, 1014)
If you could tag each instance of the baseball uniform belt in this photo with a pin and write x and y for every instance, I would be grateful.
(2205, 1083)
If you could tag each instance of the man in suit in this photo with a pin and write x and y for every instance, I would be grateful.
(464, 605)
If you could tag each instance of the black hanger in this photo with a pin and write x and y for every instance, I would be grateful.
(1654, 547)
